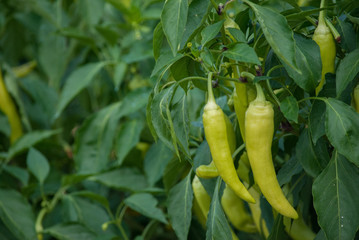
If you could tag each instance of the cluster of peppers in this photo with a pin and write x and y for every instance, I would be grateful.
(255, 116)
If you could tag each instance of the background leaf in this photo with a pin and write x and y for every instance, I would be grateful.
(174, 18)
(342, 129)
(38, 165)
(180, 200)
(145, 204)
(334, 196)
(16, 213)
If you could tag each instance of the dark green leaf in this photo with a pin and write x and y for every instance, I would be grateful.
(127, 179)
(157, 40)
(289, 107)
(217, 224)
(278, 229)
(38, 165)
(335, 195)
(180, 200)
(145, 204)
(289, 169)
(277, 33)
(237, 34)
(347, 70)
(127, 138)
(94, 140)
(317, 120)
(210, 32)
(174, 18)
(28, 141)
(308, 59)
(155, 161)
(72, 231)
(309, 155)
(77, 81)
(93, 196)
(197, 14)
(342, 129)
(243, 53)
(19, 173)
(16, 213)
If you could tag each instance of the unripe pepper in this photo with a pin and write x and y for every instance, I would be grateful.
(259, 129)
(216, 134)
(298, 229)
(236, 211)
(7, 106)
(210, 170)
(324, 38)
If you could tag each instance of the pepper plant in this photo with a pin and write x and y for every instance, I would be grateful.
(102, 134)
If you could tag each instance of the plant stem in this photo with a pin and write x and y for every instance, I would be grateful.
(240, 148)
(210, 90)
(260, 94)
(322, 13)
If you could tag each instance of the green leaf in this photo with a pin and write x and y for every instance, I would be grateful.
(127, 179)
(16, 213)
(77, 34)
(73, 231)
(38, 165)
(93, 196)
(278, 229)
(237, 34)
(19, 173)
(203, 155)
(335, 195)
(164, 62)
(158, 115)
(309, 155)
(155, 161)
(179, 70)
(92, 10)
(174, 171)
(288, 170)
(217, 224)
(78, 80)
(347, 70)
(180, 200)
(243, 53)
(342, 129)
(181, 124)
(145, 204)
(28, 141)
(317, 120)
(210, 32)
(174, 18)
(120, 72)
(308, 59)
(289, 107)
(197, 14)
(157, 40)
(94, 140)
(92, 216)
(127, 138)
(277, 33)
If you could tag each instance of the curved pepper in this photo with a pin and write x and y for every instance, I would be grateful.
(7, 106)
(324, 38)
(210, 170)
(259, 129)
(216, 135)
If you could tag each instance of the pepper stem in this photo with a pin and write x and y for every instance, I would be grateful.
(210, 90)
(260, 94)
(248, 75)
(322, 13)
